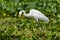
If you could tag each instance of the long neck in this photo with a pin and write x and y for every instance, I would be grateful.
(27, 15)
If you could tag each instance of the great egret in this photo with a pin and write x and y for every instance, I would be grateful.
(35, 14)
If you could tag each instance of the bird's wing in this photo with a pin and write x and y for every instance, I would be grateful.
(33, 11)
(36, 13)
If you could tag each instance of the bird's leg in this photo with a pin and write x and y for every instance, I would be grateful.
(36, 19)
(40, 24)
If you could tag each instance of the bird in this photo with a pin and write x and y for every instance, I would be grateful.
(36, 14)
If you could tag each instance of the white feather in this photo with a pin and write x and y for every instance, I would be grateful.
(36, 14)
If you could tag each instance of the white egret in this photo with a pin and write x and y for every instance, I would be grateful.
(35, 14)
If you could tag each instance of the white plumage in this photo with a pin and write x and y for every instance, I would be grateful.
(36, 14)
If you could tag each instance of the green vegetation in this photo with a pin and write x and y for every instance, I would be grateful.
(13, 27)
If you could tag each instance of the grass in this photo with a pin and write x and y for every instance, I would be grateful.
(28, 29)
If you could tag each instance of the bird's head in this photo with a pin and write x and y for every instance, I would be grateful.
(21, 13)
